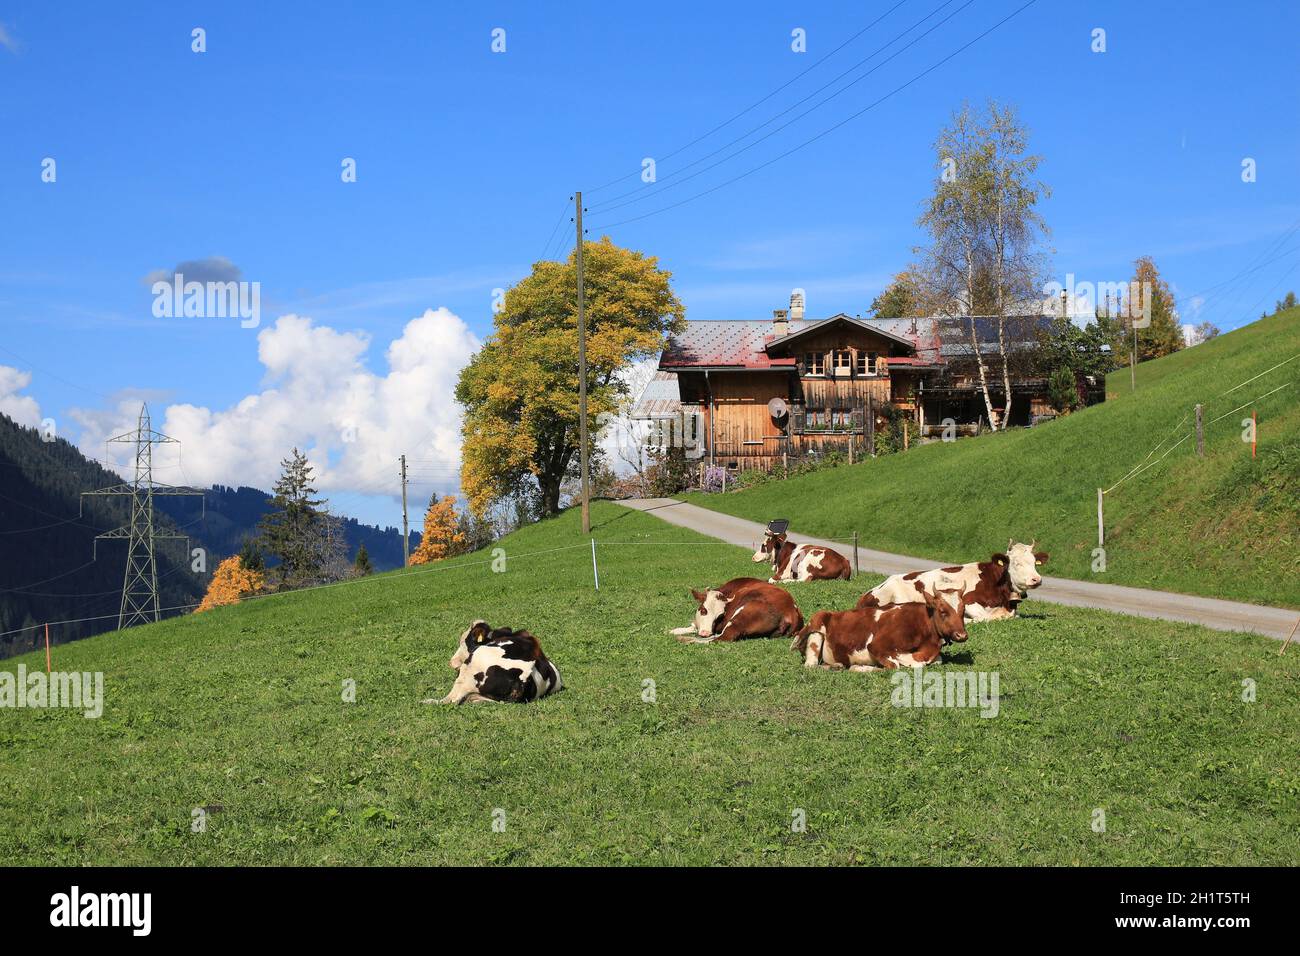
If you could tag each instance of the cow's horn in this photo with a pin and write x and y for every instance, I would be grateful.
(1010, 542)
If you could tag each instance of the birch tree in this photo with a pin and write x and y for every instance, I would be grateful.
(984, 256)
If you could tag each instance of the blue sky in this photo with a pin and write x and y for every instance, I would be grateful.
(466, 158)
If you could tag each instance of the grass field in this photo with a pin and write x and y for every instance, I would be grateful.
(242, 709)
(1222, 526)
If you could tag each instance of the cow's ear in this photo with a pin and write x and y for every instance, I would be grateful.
(919, 586)
(1040, 557)
(698, 595)
(1001, 559)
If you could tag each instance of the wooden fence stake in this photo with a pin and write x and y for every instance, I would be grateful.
(1200, 432)
(1289, 636)
(1254, 432)
(855, 554)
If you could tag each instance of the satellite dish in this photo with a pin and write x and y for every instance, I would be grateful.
(777, 408)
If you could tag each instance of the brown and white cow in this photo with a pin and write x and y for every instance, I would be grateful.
(991, 590)
(800, 562)
(499, 664)
(887, 636)
(743, 607)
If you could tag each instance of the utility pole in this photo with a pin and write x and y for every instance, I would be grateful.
(406, 534)
(582, 371)
(1133, 362)
(140, 582)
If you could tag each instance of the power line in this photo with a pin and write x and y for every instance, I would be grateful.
(612, 203)
(830, 130)
(759, 102)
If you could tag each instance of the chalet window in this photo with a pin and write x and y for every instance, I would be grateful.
(867, 363)
(814, 363)
(843, 361)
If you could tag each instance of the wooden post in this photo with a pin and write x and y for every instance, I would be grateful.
(406, 531)
(1200, 432)
(1254, 432)
(905, 431)
(851, 436)
(1101, 527)
(1289, 636)
(871, 426)
(785, 464)
(724, 479)
(855, 554)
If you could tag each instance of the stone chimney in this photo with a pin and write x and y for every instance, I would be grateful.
(796, 305)
(779, 324)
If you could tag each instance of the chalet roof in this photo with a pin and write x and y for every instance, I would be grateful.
(751, 345)
(661, 398)
(729, 343)
(954, 333)
(807, 328)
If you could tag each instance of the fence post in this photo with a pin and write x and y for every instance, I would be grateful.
(785, 463)
(1101, 533)
(594, 572)
(47, 648)
(724, 479)
(871, 425)
(855, 554)
(1200, 432)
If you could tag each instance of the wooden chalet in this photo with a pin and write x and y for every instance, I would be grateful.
(751, 392)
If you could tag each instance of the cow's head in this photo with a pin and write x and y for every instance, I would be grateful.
(476, 634)
(1022, 563)
(711, 609)
(947, 612)
(770, 548)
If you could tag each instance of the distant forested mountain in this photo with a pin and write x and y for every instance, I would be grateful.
(233, 514)
(48, 565)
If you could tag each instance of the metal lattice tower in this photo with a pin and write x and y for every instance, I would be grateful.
(140, 582)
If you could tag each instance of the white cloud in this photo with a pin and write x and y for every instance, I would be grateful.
(7, 39)
(21, 408)
(318, 396)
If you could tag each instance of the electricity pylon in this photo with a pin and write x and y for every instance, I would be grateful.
(140, 583)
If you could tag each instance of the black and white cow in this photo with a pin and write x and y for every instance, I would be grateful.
(499, 664)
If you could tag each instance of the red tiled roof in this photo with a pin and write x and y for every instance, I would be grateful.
(725, 344)
(742, 343)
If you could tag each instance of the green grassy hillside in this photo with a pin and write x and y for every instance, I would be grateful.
(1223, 525)
(241, 709)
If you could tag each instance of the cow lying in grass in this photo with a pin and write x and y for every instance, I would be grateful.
(800, 562)
(743, 607)
(990, 590)
(886, 636)
(499, 664)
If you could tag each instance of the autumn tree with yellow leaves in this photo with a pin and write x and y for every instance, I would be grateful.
(520, 391)
(230, 582)
(442, 534)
